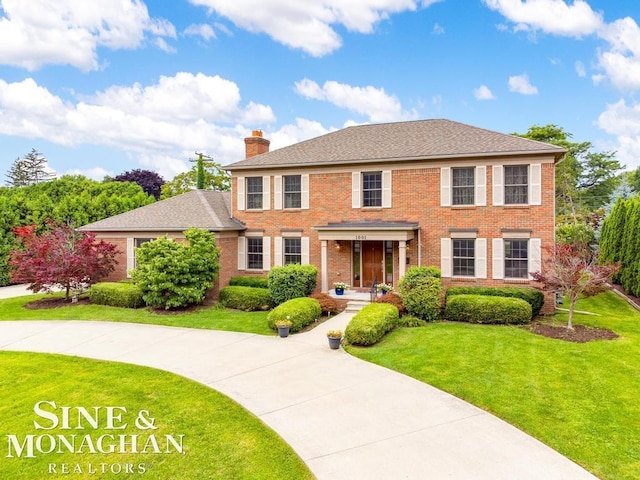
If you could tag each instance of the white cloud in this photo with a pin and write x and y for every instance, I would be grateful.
(483, 93)
(97, 173)
(179, 113)
(621, 63)
(202, 30)
(68, 32)
(550, 16)
(521, 84)
(303, 129)
(309, 26)
(373, 102)
(437, 30)
(623, 122)
(581, 71)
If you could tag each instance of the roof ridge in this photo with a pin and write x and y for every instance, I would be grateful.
(208, 208)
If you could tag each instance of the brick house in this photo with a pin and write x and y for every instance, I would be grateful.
(366, 202)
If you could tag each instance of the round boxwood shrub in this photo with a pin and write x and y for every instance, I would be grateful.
(370, 324)
(532, 296)
(487, 309)
(125, 295)
(246, 281)
(245, 298)
(292, 281)
(421, 292)
(300, 311)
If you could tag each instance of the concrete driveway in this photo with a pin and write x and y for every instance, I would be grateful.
(346, 418)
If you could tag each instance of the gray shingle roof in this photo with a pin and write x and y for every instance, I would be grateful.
(205, 209)
(416, 140)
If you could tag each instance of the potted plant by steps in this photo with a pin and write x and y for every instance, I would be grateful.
(340, 287)
(335, 337)
(284, 326)
(384, 288)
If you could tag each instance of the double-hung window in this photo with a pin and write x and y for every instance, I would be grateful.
(463, 257)
(516, 258)
(292, 250)
(255, 253)
(463, 182)
(371, 189)
(254, 193)
(516, 184)
(292, 191)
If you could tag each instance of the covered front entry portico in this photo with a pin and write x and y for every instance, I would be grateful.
(376, 251)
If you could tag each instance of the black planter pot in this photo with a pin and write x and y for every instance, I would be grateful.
(334, 343)
(283, 331)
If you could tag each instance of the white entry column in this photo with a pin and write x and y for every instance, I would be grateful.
(402, 258)
(324, 266)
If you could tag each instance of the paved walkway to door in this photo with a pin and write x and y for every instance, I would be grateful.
(346, 418)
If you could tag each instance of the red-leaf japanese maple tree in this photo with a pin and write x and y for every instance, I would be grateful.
(574, 271)
(60, 257)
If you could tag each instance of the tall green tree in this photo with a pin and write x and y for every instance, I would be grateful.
(28, 170)
(212, 177)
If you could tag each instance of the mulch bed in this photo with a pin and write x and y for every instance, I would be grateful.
(579, 333)
(56, 302)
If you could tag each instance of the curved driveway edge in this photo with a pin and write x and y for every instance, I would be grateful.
(346, 418)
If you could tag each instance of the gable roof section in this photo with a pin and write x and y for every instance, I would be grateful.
(401, 141)
(206, 209)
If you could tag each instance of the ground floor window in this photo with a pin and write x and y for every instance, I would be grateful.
(463, 257)
(254, 253)
(516, 258)
(292, 250)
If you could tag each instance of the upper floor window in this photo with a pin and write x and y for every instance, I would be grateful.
(292, 191)
(255, 253)
(463, 257)
(463, 181)
(516, 258)
(254, 193)
(516, 184)
(292, 250)
(371, 189)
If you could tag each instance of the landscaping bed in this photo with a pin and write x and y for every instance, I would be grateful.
(579, 333)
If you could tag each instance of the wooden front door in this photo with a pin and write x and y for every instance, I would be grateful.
(372, 263)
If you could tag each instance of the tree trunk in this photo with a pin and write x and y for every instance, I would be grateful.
(572, 306)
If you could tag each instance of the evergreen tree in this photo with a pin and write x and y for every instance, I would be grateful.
(28, 170)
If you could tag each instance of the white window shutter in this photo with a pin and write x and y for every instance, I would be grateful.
(266, 193)
(242, 253)
(498, 185)
(445, 187)
(277, 192)
(535, 184)
(386, 189)
(481, 258)
(304, 245)
(266, 253)
(241, 193)
(445, 257)
(535, 255)
(277, 252)
(304, 181)
(131, 256)
(498, 258)
(481, 186)
(355, 190)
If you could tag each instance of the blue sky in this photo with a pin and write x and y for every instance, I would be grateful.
(107, 86)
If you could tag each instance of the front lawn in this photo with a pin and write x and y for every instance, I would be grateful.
(203, 317)
(221, 439)
(582, 399)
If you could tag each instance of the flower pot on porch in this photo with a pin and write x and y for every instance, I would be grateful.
(339, 291)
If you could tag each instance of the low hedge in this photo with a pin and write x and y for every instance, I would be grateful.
(255, 282)
(124, 295)
(370, 324)
(300, 311)
(487, 309)
(248, 299)
(532, 296)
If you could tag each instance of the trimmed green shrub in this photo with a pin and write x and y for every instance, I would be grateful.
(248, 299)
(410, 321)
(292, 281)
(255, 282)
(394, 299)
(300, 311)
(421, 292)
(532, 296)
(125, 295)
(487, 309)
(370, 324)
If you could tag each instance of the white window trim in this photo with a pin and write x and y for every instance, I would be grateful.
(479, 187)
(242, 253)
(534, 186)
(534, 255)
(356, 189)
(240, 193)
(480, 255)
(131, 255)
(498, 185)
(266, 193)
(277, 192)
(278, 249)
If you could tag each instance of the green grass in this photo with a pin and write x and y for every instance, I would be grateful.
(205, 317)
(221, 439)
(581, 399)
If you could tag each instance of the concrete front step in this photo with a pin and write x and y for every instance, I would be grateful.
(356, 305)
